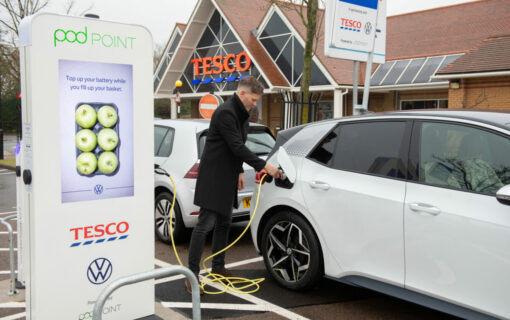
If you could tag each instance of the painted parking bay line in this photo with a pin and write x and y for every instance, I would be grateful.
(160, 263)
(220, 306)
(15, 316)
(9, 305)
(6, 213)
(7, 249)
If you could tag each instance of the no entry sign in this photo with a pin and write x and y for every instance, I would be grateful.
(208, 105)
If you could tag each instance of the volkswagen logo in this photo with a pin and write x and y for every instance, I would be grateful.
(99, 271)
(98, 189)
(368, 28)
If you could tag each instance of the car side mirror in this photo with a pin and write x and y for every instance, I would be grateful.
(503, 195)
(286, 164)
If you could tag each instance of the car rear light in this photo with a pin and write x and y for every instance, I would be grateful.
(196, 213)
(259, 175)
(193, 172)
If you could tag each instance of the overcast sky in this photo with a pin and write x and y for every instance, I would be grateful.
(160, 16)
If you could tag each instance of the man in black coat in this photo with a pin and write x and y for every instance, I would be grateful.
(220, 174)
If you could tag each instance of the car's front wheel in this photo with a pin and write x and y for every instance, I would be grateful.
(291, 251)
(162, 219)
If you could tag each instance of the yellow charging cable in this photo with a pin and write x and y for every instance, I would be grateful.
(230, 284)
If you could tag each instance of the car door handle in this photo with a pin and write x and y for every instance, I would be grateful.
(423, 207)
(319, 185)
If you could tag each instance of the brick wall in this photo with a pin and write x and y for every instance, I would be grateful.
(481, 93)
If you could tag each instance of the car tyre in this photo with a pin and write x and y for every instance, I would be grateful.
(291, 251)
(163, 204)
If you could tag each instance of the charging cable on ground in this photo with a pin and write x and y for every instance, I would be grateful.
(230, 284)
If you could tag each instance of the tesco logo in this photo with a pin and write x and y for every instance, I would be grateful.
(348, 23)
(106, 232)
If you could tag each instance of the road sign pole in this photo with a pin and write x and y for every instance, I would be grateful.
(355, 86)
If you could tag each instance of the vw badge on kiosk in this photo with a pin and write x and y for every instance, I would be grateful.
(87, 165)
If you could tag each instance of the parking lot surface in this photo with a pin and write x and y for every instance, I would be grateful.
(329, 300)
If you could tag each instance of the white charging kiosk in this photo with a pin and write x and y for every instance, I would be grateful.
(89, 196)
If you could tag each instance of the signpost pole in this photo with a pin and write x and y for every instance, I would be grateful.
(355, 86)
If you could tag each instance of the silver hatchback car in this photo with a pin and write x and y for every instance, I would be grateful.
(178, 145)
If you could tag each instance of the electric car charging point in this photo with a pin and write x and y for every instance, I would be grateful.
(87, 169)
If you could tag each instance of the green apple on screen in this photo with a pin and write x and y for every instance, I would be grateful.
(86, 140)
(107, 162)
(107, 139)
(86, 163)
(107, 116)
(86, 116)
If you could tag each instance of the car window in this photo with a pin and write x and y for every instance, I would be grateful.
(260, 142)
(159, 134)
(166, 145)
(323, 153)
(463, 158)
(371, 147)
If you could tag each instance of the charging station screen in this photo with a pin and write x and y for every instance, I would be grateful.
(96, 130)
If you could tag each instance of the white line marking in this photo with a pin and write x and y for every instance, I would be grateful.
(12, 305)
(3, 170)
(220, 306)
(7, 173)
(6, 213)
(7, 232)
(160, 263)
(7, 272)
(14, 316)
(7, 249)
(265, 304)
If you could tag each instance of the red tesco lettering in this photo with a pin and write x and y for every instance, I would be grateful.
(100, 230)
(351, 23)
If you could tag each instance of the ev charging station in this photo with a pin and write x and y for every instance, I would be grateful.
(88, 202)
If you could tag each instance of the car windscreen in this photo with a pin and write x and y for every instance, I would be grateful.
(260, 140)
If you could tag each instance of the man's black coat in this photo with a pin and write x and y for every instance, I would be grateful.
(223, 157)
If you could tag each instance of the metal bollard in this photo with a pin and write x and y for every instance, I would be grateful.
(158, 273)
(11, 253)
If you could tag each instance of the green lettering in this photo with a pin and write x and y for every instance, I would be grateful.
(95, 37)
(120, 42)
(56, 38)
(111, 40)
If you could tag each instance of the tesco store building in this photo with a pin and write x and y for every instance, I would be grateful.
(448, 57)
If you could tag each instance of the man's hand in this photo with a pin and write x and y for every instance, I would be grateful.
(273, 171)
(241, 182)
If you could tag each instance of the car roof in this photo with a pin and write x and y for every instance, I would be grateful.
(202, 123)
(498, 118)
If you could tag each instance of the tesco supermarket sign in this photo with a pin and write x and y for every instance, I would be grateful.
(351, 26)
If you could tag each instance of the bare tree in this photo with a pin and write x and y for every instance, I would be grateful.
(307, 10)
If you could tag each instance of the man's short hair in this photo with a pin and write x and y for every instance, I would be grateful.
(250, 84)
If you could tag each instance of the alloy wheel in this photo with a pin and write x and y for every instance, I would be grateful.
(163, 217)
(288, 251)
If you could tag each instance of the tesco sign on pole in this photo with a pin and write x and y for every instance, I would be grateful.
(351, 26)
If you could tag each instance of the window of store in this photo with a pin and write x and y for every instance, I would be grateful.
(165, 58)
(283, 47)
(424, 104)
(218, 40)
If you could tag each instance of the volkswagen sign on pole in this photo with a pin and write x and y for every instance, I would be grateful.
(356, 30)
(350, 29)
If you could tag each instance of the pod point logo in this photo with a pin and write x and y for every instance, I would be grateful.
(95, 39)
(99, 271)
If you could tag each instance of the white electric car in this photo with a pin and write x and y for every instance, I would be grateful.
(178, 145)
(412, 204)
